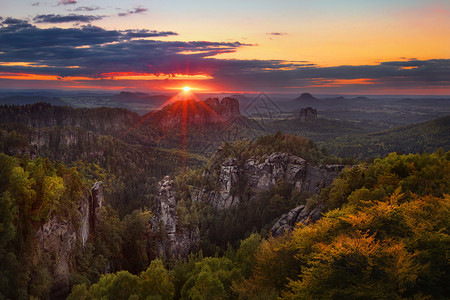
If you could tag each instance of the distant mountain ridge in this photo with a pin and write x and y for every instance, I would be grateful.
(24, 100)
(129, 97)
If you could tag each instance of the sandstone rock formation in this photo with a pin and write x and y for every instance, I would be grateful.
(227, 108)
(192, 112)
(58, 236)
(261, 174)
(308, 114)
(299, 214)
(171, 238)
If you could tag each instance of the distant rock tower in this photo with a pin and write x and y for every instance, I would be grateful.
(308, 114)
(227, 108)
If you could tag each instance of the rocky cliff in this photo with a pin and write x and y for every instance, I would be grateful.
(261, 174)
(170, 237)
(58, 236)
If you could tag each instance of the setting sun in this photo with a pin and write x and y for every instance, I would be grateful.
(186, 89)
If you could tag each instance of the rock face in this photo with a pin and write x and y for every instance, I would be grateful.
(308, 114)
(57, 237)
(171, 238)
(96, 202)
(261, 174)
(227, 108)
(300, 214)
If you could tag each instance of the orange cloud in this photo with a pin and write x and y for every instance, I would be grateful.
(151, 76)
(323, 82)
(28, 76)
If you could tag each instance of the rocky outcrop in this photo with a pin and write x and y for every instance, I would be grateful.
(300, 214)
(227, 108)
(308, 114)
(96, 202)
(58, 236)
(192, 112)
(261, 174)
(170, 237)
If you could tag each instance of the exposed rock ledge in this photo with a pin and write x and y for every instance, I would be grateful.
(300, 214)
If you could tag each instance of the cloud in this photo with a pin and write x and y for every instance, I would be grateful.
(137, 10)
(67, 2)
(97, 52)
(144, 33)
(276, 33)
(35, 4)
(52, 18)
(87, 8)
(14, 24)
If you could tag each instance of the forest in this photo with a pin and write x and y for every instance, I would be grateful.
(383, 231)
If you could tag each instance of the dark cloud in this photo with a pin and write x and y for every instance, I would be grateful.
(14, 21)
(97, 52)
(87, 8)
(276, 33)
(137, 10)
(67, 2)
(143, 33)
(51, 18)
(15, 24)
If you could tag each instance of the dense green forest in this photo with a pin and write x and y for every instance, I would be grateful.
(387, 223)
(32, 191)
(385, 236)
(412, 138)
(383, 232)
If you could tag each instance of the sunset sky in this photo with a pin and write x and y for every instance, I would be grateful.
(326, 47)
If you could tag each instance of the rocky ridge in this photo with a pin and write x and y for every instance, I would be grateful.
(192, 112)
(227, 108)
(261, 174)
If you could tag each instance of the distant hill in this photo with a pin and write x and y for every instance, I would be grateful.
(306, 97)
(23, 100)
(302, 101)
(414, 138)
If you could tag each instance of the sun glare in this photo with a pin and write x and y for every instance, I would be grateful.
(186, 89)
